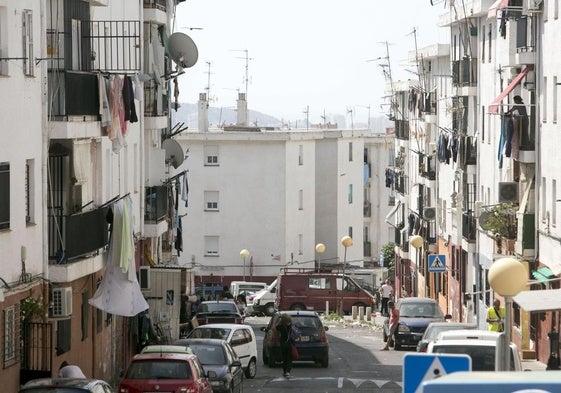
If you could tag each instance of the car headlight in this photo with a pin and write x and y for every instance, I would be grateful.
(218, 383)
(403, 328)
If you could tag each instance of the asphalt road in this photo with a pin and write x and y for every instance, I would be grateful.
(356, 363)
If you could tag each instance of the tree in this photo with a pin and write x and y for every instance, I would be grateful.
(388, 252)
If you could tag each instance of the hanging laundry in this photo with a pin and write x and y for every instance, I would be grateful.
(185, 191)
(501, 142)
(104, 110)
(128, 100)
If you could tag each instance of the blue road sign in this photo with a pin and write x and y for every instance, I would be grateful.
(421, 367)
(437, 263)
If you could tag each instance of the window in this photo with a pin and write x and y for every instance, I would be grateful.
(350, 151)
(300, 199)
(63, 332)
(544, 100)
(490, 40)
(211, 245)
(3, 44)
(350, 193)
(211, 200)
(351, 232)
(9, 334)
(4, 195)
(483, 43)
(554, 99)
(28, 58)
(544, 193)
(301, 155)
(85, 315)
(319, 283)
(211, 155)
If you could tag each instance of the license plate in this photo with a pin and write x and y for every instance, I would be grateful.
(304, 338)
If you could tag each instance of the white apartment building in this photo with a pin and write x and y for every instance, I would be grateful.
(498, 200)
(67, 173)
(276, 194)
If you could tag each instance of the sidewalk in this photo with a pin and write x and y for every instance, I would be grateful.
(377, 320)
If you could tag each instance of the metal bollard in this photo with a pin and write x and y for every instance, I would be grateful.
(361, 313)
(326, 308)
(354, 312)
(369, 313)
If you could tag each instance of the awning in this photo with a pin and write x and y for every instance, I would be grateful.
(543, 274)
(392, 213)
(494, 107)
(544, 300)
(497, 5)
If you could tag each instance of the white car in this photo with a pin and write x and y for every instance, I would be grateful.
(485, 348)
(240, 337)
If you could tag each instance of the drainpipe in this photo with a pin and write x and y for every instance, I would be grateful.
(45, 154)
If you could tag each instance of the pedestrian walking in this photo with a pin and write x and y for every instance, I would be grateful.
(495, 316)
(387, 291)
(288, 334)
(394, 323)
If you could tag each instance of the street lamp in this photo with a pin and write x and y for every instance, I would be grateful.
(507, 277)
(320, 249)
(346, 241)
(244, 254)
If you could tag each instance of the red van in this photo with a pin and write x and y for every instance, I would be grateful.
(307, 289)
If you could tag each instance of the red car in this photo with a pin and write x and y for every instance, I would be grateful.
(165, 372)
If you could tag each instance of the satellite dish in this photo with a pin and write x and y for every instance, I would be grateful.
(183, 50)
(484, 220)
(174, 152)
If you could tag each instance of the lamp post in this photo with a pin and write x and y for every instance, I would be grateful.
(507, 277)
(244, 254)
(320, 249)
(346, 241)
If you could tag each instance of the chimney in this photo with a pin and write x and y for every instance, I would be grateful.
(242, 110)
(202, 114)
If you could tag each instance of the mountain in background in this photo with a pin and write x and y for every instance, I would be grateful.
(188, 115)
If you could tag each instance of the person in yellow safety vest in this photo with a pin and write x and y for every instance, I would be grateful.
(495, 316)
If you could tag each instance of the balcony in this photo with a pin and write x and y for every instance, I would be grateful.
(367, 249)
(155, 11)
(402, 129)
(469, 226)
(156, 102)
(157, 209)
(427, 167)
(464, 72)
(73, 94)
(401, 184)
(468, 152)
(75, 242)
(367, 209)
(525, 242)
(525, 41)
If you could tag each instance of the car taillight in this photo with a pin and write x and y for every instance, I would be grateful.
(323, 337)
(123, 390)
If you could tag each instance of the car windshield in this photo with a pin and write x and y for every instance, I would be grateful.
(206, 332)
(218, 307)
(160, 369)
(209, 354)
(420, 310)
(482, 357)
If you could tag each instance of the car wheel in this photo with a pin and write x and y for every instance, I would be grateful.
(265, 358)
(298, 307)
(325, 362)
(269, 309)
(251, 369)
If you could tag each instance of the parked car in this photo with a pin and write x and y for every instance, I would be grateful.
(166, 349)
(240, 337)
(166, 372)
(66, 385)
(217, 311)
(312, 344)
(219, 358)
(486, 349)
(435, 328)
(415, 314)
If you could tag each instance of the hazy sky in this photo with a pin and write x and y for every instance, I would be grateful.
(303, 52)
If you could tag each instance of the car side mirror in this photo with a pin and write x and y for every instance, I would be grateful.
(236, 363)
(448, 316)
(211, 374)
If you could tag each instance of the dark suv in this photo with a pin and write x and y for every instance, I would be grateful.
(218, 311)
(415, 314)
(312, 344)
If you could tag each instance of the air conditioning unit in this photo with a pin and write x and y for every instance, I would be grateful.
(508, 192)
(429, 213)
(62, 302)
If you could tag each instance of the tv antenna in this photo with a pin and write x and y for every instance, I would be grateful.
(324, 119)
(247, 59)
(351, 111)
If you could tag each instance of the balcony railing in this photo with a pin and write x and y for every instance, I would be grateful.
(469, 228)
(155, 99)
(160, 4)
(367, 209)
(367, 249)
(157, 204)
(76, 235)
(464, 72)
(402, 129)
(401, 184)
(468, 151)
(73, 93)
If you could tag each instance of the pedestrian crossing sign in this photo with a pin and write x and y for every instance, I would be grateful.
(421, 367)
(437, 263)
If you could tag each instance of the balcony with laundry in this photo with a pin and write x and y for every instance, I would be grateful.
(84, 55)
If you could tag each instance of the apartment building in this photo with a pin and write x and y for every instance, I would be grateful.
(496, 176)
(79, 179)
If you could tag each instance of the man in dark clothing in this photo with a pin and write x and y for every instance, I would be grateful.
(226, 294)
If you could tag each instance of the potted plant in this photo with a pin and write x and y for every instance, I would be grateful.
(503, 224)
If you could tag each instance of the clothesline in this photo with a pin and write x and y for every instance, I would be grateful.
(115, 199)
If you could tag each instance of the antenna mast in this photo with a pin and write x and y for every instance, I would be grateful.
(208, 84)
(307, 113)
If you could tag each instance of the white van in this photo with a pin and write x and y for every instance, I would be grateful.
(246, 288)
(263, 302)
(485, 348)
